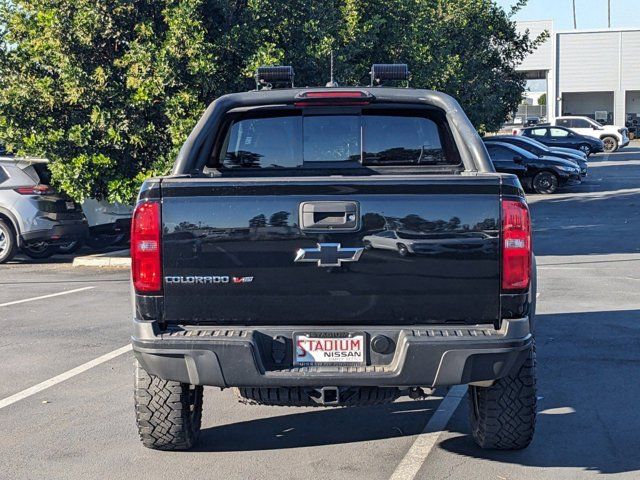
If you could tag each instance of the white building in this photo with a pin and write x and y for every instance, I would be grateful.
(587, 72)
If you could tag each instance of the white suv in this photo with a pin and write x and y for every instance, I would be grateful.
(612, 136)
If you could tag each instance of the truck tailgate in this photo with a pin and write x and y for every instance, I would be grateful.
(332, 250)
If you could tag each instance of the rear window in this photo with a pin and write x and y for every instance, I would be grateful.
(296, 140)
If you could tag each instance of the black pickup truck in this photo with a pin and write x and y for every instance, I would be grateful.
(337, 247)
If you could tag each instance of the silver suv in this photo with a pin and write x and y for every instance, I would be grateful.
(33, 217)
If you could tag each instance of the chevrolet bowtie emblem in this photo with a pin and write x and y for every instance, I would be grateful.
(328, 255)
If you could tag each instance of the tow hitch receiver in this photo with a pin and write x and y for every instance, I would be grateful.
(327, 396)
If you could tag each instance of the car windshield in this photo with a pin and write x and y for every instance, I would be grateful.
(533, 143)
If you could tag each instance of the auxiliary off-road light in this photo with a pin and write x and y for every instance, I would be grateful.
(386, 72)
(272, 75)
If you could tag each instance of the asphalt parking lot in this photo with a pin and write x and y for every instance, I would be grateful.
(55, 318)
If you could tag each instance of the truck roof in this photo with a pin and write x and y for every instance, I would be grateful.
(195, 151)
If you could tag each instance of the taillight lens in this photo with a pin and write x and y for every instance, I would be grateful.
(333, 97)
(35, 190)
(516, 245)
(146, 261)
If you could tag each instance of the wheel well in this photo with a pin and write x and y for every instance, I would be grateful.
(609, 135)
(9, 221)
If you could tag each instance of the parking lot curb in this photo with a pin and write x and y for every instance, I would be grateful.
(117, 259)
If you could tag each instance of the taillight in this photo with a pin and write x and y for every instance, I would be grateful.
(146, 261)
(333, 97)
(35, 190)
(516, 245)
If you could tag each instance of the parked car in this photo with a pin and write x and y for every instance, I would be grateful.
(261, 314)
(563, 137)
(109, 225)
(33, 216)
(540, 174)
(407, 242)
(613, 137)
(541, 150)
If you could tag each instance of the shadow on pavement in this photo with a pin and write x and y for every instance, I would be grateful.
(322, 426)
(588, 364)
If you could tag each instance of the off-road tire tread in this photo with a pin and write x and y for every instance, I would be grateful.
(507, 410)
(163, 414)
(298, 397)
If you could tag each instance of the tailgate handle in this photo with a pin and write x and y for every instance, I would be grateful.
(333, 215)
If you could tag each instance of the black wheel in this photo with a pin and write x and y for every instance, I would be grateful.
(503, 416)
(7, 242)
(100, 242)
(403, 250)
(610, 144)
(545, 182)
(168, 413)
(585, 148)
(39, 251)
(69, 248)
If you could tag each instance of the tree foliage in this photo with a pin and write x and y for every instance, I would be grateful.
(109, 89)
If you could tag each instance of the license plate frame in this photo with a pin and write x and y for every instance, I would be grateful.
(312, 356)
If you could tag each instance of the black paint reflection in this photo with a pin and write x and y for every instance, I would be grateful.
(429, 258)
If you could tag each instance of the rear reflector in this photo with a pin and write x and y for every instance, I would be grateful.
(146, 260)
(516, 245)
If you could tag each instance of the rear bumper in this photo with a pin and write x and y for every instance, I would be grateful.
(61, 233)
(422, 356)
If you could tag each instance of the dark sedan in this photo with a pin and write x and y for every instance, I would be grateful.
(541, 150)
(563, 137)
(540, 174)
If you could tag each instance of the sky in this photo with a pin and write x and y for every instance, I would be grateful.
(589, 13)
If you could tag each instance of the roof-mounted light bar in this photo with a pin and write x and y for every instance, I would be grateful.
(268, 76)
(333, 97)
(381, 72)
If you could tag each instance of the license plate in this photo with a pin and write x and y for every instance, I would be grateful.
(71, 206)
(329, 349)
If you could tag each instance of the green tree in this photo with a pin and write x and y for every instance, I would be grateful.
(109, 89)
(542, 99)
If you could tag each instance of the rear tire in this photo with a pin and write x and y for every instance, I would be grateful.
(545, 183)
(585, 148)
(168, 413)
(39, 251)
(503, 416)
(8, 242)
(610, 144)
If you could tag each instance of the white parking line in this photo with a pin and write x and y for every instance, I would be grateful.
(5, 402)
(410, 464)
(66, 292)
